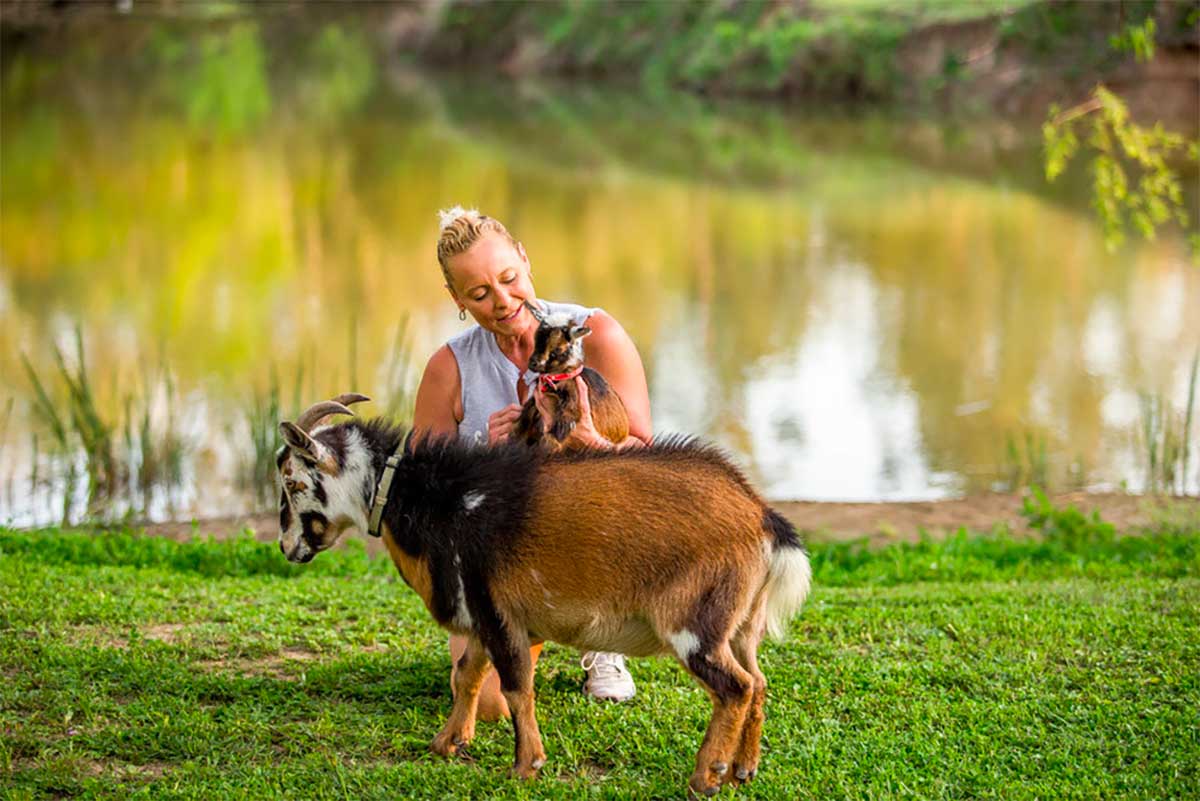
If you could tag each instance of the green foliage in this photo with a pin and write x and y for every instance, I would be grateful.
(220, 81)
(1133, 182)
(1137, 38)
(229, 88)
(1070, 544)
(753, 47)
(1074, 531)
(341, 73)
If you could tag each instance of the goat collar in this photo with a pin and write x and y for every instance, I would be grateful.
(547, 381)
(382, 488)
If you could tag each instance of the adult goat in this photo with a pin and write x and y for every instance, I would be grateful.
(662, 549)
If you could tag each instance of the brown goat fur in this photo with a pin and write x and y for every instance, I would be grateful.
(663, 549)
(558, 351)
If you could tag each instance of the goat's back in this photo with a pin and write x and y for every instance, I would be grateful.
(612, 542)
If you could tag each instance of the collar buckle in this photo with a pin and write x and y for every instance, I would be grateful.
(381, 494)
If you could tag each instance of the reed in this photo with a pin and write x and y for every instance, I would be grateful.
(262, 414)
(1188, 417)
(154, 454)
(94, 433)
(8, 477)
(398, 383)
(126, 459)
(83, 423)
(1166, 439)
(1026, 462)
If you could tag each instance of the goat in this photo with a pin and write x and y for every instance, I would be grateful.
(680, 554)
(558, 358)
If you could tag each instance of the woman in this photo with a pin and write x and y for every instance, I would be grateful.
(474, 385)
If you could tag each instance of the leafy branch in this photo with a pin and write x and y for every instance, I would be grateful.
(1133, 181)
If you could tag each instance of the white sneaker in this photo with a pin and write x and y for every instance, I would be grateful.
(607, 677)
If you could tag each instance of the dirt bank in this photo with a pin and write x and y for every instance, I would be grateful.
(839, 521)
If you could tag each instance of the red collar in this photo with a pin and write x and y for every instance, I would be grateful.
(548, 381)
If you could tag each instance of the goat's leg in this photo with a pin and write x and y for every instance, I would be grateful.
(513, 663)
(731, 690)
(528, 428)
(469, 673)
(745, 650)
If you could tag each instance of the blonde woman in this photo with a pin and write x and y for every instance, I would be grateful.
(474, 385)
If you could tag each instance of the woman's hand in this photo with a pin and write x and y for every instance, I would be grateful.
(584, 433)
(501, 424)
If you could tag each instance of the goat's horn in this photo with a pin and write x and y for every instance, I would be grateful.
(349, 398)
(318, 412)
(535, 311)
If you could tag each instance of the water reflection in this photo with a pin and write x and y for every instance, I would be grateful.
(858, 306)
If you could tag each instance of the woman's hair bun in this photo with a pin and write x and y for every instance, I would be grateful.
(446, 217)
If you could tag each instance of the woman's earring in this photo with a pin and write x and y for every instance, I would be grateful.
(462, 314)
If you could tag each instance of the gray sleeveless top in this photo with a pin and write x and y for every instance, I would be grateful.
(488, 378)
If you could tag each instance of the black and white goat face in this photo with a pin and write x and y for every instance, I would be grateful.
(557, 343)
(325, 479)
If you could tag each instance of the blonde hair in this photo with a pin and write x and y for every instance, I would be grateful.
(460, 229)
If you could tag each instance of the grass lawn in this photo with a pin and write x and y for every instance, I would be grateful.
(982, 666)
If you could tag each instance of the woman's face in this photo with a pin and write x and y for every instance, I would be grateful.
(491, 281)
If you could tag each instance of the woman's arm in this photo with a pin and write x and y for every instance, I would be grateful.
(610, 352)
(438, 408)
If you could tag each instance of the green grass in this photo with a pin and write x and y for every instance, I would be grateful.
(979, 666)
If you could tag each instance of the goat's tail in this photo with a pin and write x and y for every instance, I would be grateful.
(789, 574)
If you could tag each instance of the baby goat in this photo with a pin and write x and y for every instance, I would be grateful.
(679, 552)
(558, 358)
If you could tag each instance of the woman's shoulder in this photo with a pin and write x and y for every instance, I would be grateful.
(442, 365)
(605, 327)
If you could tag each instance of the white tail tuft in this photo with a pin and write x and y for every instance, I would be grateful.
(788, 582)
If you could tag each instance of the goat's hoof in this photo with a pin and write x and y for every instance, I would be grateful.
(447, 745)
(743, 774)
(703, 790)
(527, 772)
(719, 768)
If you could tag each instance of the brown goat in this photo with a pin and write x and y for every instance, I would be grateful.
(558, 357)
(679, 552)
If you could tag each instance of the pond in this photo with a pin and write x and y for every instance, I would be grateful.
(234, 218)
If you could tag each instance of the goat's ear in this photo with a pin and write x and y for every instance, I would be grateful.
(579, 332)
(536, 312)
(302, 444)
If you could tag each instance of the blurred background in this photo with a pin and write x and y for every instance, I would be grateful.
(827, 226)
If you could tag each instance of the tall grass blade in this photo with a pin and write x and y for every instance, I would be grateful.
(8, 407)
(1188, 416)
(399, 390)
(44, 407)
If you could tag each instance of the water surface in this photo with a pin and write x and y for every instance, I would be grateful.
(859, 305)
